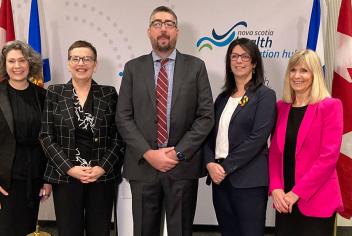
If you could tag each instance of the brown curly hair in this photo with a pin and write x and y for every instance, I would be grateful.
(34, 59)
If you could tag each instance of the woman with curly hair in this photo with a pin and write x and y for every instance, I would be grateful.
(22, 160)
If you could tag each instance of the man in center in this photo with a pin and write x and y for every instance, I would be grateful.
(165, 112)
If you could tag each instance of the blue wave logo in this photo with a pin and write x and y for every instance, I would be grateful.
(219, 40)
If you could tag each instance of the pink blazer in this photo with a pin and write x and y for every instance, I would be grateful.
(317, 150)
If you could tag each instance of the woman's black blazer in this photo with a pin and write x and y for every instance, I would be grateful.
(7, 138)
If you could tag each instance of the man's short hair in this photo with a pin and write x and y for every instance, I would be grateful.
(163, 9)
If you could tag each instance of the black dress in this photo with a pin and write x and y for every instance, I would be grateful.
(297, 224)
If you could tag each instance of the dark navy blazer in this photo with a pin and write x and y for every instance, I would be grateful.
(249, 129)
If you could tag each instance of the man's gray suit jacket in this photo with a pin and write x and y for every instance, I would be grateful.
(191, 116)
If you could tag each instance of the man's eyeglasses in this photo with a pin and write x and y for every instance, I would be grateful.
(244, 57)
(87, 60)
(157, 24)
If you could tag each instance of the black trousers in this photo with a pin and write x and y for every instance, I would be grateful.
(240, 211)
(177, 197)
(297, 224)
(19, 214)
(83, 208)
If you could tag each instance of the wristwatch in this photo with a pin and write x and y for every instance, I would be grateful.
(180, 156)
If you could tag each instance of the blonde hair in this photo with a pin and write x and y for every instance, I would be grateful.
(318, 89)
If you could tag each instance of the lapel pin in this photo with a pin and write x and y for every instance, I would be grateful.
(244, 100)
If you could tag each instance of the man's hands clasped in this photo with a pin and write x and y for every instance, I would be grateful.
(163, 159)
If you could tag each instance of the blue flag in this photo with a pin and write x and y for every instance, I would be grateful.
(315, 39)
(37, 39)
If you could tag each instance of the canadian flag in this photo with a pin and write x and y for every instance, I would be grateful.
(7, 32)
(342, 89)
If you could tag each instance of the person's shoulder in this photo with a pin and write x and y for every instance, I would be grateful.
(329, 103)
(331, 109)
(223, 95)
(140, 59)
(56, 88)
(264, 91)
(107, 89)
(330, 100)
(40, 90)
(281, 104)
(188, 57)
(3, 83)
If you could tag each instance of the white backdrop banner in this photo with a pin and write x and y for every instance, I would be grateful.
(118, 29)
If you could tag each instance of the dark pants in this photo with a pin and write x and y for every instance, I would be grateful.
(83, 208)
(177, 197)
(297, 224)
(19, 212)
(240, 211)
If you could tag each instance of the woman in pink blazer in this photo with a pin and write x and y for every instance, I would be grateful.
(304, 150)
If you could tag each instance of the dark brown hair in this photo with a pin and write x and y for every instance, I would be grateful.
(82, 44)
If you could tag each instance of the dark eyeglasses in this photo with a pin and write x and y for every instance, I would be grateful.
(85, 60)
(158, 24)
(244, 57)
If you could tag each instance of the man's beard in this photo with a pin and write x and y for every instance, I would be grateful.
(166, 47)
(163, 48)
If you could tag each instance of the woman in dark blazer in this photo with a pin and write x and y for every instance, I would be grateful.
(83, 146)
(22, 160)
(236, 152)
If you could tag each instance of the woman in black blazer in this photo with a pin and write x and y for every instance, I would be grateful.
(236, 152)
(22, 160)
(84, 149)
